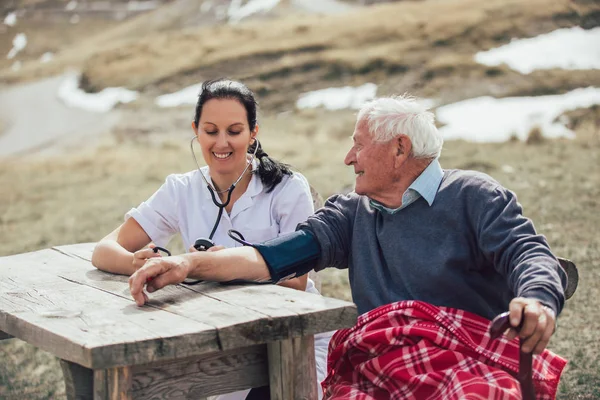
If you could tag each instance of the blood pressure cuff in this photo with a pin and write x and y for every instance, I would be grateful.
(291, 255)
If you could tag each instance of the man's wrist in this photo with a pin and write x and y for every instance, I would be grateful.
(195, 262)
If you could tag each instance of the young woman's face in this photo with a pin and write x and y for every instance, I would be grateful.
(224, 136)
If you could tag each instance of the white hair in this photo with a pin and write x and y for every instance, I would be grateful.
(389, 117)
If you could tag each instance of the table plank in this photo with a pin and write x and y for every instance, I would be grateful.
(316, 313)
(212, 374)
(321, 308)
(272, 306)
(44, 288)
(236, 325)
(92, 327)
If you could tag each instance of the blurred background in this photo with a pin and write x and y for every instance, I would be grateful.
(97, 97)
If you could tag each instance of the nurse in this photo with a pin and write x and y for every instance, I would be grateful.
(241, 188)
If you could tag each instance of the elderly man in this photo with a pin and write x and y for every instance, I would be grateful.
(432, 254)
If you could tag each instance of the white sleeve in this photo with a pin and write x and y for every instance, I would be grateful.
(293, 203)
(158, 215)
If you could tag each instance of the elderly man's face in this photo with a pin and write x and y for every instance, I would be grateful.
(373, 163)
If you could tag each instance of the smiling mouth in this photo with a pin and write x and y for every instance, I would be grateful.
(222, 156)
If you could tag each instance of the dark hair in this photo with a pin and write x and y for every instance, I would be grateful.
(270, 171)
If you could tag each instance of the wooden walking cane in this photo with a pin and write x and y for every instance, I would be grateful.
(501, 323)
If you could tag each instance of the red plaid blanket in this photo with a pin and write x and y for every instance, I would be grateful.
(414, 350)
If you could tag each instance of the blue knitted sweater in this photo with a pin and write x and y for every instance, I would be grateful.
(471, 249)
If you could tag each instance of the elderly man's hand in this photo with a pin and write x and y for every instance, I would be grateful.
(539, 322)
(156, 274)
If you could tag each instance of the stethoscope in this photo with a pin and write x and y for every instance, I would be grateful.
(203, 244)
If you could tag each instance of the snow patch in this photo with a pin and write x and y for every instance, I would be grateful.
(19, 43)
(338, 98)
(46, 57)
(71, 5)
(569, 48)
(10, 19)
(141, 6)
(101, 102)
(236, 11)
(186, 96)
(486, 119)
(205, 7)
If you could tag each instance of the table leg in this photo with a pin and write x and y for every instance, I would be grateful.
(79, 381)
(82, 383)
(4, 335)
(292, 370)
(112, 384)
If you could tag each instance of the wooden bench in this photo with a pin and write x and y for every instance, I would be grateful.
(189, 342)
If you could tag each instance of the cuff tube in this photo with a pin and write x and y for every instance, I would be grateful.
(290, 255)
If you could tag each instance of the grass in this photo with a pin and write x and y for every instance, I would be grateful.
(422, 47)
(399, 45)
(81, 198)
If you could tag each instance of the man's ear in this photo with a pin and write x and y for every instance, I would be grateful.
(403, 148)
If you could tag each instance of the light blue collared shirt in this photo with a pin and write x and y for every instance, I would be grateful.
(426, 186)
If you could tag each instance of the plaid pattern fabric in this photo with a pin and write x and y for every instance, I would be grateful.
(414, 350)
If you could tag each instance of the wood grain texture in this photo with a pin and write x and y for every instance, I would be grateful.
(79, 381)
(94, 328)
(310, 313)
(198, 377)
(292, 371)
(186, 343)
(113, 384)
(270, 312)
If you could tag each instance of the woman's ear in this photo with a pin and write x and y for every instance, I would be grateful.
(194, 128)
(254, 134)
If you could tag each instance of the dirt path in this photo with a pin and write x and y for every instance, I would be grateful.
(34, 119)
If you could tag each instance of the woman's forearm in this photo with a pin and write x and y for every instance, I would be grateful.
(110, 256)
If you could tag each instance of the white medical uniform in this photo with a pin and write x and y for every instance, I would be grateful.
(183, 204)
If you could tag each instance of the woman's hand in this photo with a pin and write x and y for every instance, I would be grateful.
(156, 273)
(141, 256)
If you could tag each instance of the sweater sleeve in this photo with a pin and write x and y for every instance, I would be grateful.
(332, 226)
(509, 241)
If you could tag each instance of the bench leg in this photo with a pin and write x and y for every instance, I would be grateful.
(82, 383)
(292, 370)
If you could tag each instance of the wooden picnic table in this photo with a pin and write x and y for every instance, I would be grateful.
(188, 342)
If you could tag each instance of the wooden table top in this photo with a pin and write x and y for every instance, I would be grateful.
(56, 300)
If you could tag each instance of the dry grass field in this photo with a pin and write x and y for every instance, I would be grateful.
(423, 47)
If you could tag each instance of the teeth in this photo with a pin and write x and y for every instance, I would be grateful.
(221, 155)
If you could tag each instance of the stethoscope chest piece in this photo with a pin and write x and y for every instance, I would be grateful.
(203, 244)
